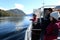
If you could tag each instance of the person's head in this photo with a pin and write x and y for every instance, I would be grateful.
(34, 15)
(54, 16)
(48, 11)
(57, 8)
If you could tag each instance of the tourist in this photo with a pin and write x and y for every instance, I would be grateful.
(53, 29)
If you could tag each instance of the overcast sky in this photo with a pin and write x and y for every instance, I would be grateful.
(26, 5)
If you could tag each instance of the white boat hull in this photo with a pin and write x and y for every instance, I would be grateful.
(28, 32)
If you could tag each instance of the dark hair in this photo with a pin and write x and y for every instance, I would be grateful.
(34, 15)
(50, 9)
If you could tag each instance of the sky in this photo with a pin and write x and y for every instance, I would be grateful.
(26, 5)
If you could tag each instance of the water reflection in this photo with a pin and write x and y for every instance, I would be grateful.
(6, 27)
(13, 28)
(13, 24)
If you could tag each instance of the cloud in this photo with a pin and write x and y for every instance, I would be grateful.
(3, 8)
(19, 6)
(16, 5)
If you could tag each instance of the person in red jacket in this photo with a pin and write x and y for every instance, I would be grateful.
(34, 18)
(52, 29)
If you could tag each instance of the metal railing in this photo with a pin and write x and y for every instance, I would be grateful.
(29, 32)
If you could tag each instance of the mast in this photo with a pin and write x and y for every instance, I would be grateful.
(43, 3)
(43, 9)
(42, 14)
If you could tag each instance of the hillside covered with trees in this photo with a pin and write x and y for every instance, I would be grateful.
(4, 13)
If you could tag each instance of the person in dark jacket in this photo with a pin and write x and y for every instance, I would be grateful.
(53, 28)
(45, 21)
(33, 20)
(35, 34)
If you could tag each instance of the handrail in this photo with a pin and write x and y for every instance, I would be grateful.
(36, 29)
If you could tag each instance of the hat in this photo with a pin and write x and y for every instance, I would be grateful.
(57, 7)
(55, 15)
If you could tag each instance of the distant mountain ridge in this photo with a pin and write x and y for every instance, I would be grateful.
(29, 14)
(17, 12)
(12, 12)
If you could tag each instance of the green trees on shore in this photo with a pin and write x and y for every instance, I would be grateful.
(12, 12)
(4, 13)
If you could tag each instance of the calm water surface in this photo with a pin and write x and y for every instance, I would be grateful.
(12, 24)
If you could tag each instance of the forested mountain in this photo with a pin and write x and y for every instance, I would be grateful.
(17, 12)
(12, 12)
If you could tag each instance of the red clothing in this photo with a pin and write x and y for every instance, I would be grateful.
(49, 35)
(58, 23)
(34, 19)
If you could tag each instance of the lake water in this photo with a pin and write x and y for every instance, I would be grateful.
(14, 24)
